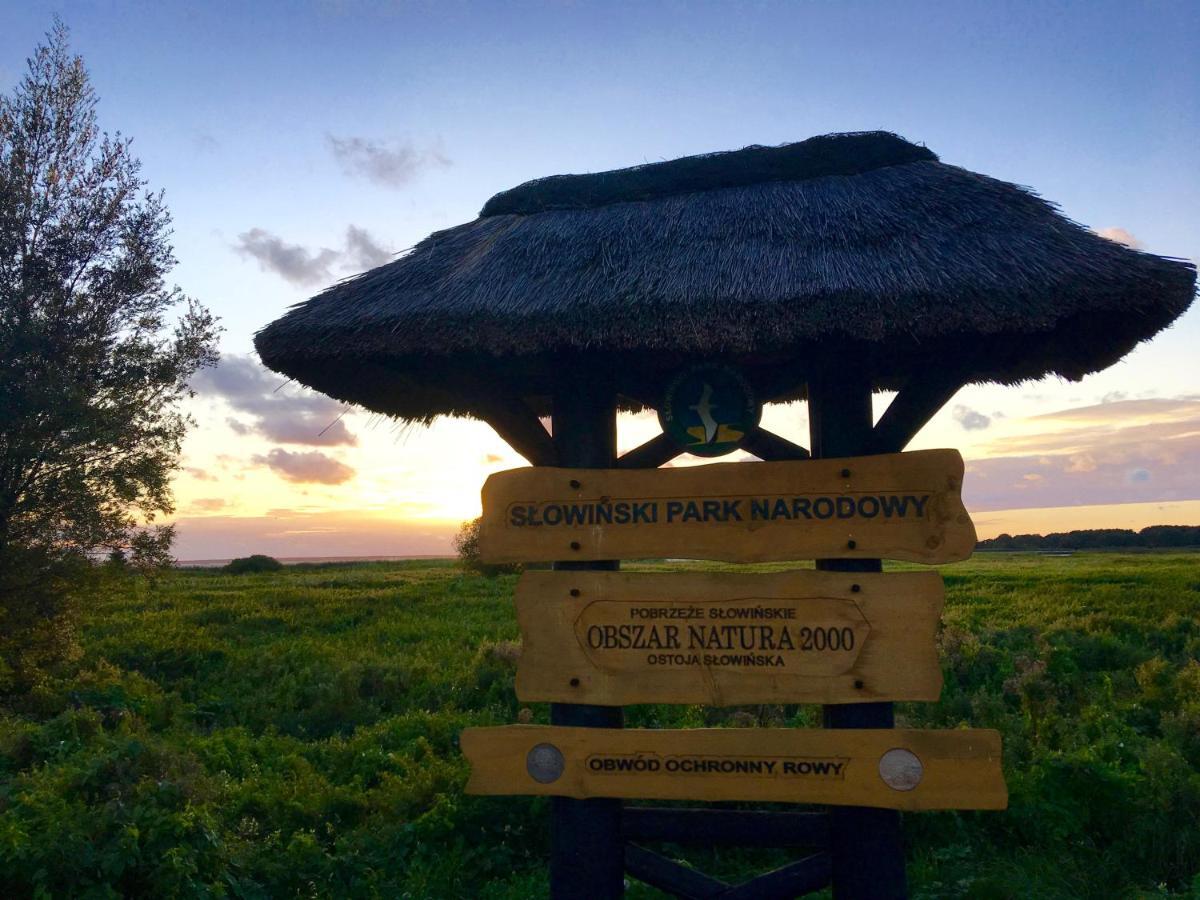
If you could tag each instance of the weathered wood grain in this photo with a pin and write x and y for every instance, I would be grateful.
(902, 506)
(719, 638)
(960, 769)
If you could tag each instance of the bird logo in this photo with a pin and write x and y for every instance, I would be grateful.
(708, 409)
(704, 410)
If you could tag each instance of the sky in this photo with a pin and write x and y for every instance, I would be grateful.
(298, 143)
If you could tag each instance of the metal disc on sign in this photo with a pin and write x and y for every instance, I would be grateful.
(900, 769)
(709, 409)
(544, 763)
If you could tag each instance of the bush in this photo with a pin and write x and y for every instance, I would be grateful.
(40, 594)
(250, 564)
(466, 544)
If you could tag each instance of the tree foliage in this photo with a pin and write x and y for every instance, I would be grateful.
(1153, 536)
(93, 370)
(466, 545)
(253, 564)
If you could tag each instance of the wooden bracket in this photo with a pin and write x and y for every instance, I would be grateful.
(912, 408)
(670, 876)
(513, 420)
(796, 879)
(771, 447)
(801, 877)
(650, 455)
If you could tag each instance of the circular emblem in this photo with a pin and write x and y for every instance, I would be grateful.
(709, 409)
(545, 763)
(901, 769)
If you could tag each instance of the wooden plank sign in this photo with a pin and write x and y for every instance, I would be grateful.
(889, 768)
(900, 506)
(718, 638)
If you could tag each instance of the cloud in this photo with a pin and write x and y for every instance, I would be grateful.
(389, 163)
(362, 252)
(292, 262)
(283, 415)
(203, 142)
(1124, 451)
(1121, 236)
(1114, 397)
(199, 474)
(206, 504)
(491, 458)
(1125, 412)
(311, 467)
(970, 419)
(308, 268)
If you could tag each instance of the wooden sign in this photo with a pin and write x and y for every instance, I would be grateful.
(900, 506)
(889, 768)
(717, 638)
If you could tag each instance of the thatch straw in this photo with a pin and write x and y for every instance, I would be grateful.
(860, 247)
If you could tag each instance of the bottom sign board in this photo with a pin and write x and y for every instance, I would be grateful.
(724, 638)
(889, 768)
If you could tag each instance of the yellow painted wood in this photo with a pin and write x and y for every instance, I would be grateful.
(960, 769)
(721, 639)
(738, 512)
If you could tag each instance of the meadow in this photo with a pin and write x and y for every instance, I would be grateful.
(294, 734)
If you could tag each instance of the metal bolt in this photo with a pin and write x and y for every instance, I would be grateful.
(575, 484)
(852, 544)
(574, 592)
(574, 545)
(858, 684)
(574, 682)
(845, 473)
(855, 588)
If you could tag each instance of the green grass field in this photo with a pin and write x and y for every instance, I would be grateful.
(294, 735)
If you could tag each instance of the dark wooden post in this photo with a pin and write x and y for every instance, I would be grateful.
(866, 845)
(587, 850)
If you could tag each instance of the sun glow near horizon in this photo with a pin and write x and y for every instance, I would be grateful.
(379, 488)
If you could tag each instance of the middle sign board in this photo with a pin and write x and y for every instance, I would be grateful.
(719, 638)
(904, 506)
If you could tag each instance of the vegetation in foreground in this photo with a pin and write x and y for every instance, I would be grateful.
(294, 734)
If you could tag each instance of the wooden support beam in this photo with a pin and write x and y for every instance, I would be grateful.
(586, 849)
(742, 828)
(865, 843)
(809, 874)
(650, 455)
(513, 420)
(770, 447)
(670, 876)
(912, 408)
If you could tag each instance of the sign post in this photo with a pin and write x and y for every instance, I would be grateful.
(866, 844)
(846, 635)
(587, 851)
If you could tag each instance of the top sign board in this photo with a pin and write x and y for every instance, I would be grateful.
(905, 506)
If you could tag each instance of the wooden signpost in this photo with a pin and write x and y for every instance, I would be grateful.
(846, 635)
(898, 506)
(616, 638)
(885, 768)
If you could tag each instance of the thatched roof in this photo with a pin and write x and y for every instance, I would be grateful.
(857, 246)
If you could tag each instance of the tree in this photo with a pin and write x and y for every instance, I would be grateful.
(466, 545)
(92, 373)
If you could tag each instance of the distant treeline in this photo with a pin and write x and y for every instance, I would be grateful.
(1099, 538)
